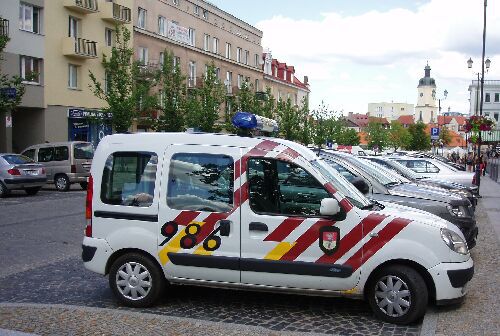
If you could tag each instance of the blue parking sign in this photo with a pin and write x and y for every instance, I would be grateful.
(434, 133)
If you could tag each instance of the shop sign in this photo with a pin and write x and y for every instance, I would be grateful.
(10, 93)
(87, 114)
(177, 33)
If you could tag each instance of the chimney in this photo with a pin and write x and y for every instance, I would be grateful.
(350, 115)
(306, 80)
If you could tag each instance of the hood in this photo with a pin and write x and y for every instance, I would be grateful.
(414, 214)
(422, 192)
(443, 183)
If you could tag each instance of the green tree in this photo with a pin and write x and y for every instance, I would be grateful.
(122, 89)
(420, 140)
(268, 108)
(376, 135)
(288, 119)
(398, 137)
(306, 123)
(445, 135)
(348, 137)
(245, 98)
(320, 129)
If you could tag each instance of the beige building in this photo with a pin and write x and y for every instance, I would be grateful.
(390, 111)
(426, 109)
(61, 40)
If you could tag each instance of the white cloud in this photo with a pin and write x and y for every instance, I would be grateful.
(379, 56)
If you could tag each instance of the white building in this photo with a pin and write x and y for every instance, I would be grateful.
(491, 99)
(426, 110)
(390, 111)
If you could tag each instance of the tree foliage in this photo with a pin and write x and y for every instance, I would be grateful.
(445, 135)
(398, 136)
(420, 140)
(348, 137)
(376, 135)
(288, 119)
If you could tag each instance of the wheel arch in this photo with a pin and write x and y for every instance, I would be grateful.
(117, 254)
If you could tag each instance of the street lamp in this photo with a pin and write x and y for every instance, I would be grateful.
(445, 95)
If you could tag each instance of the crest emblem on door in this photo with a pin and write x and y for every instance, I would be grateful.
(329, 239)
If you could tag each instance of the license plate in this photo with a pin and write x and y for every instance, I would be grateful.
(31, 172)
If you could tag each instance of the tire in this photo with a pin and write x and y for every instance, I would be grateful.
(3, 190)
(61, 183)
(412, 289)
(84, 185)
(32, 191)
(125, 287)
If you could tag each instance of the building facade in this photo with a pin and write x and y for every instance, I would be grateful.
(426, 110)
(491, 99)
(390, 111)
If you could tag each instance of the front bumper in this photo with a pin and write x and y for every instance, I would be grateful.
(450, 280)
(95, 254)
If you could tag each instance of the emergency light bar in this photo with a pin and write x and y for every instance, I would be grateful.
(250, 121)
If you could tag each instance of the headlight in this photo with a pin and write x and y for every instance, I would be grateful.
(458, 211)
(454, 241)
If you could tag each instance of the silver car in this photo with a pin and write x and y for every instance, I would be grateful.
(20, 172)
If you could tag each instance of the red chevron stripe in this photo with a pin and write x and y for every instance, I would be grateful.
(346, 205)
(209, 225)
(284, 229)
(288, 154)
(306, 240)
(329, 187)
(353, 237)
(186, 217)
(376, 243)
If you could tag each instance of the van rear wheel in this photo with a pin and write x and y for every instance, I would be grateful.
(136, 280)
(398, 294)
(61, 183)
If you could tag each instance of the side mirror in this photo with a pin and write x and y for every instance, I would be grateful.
(329, 207)
(361, 184)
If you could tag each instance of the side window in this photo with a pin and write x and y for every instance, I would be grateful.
(61, 153)
(129, 179)
(418, 166)
(29, 153)
(431, 168)
(45, 154)
(201, 182)
(283, 188)
(344, 172)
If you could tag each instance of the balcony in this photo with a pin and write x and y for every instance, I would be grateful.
(79, 47)
(116, 13)
(82, 6)
(4, 27)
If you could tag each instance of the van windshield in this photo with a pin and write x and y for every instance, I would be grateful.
(84, 151)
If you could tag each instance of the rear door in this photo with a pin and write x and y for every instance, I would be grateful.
(285, 241)
(199, 215)
(83, 152)
(45, 156)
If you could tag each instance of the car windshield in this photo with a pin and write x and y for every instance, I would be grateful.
(17, 159)
(84, 151)
(402, 170)
(340, 183)
(380, 173)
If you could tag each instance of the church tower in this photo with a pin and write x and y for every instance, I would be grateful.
(426, 110)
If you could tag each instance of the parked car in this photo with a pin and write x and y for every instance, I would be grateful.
(436, 170)
(455, 165)
(262, 214)
(20, 172)
(402, 170)
(65, 162)
(381, 184)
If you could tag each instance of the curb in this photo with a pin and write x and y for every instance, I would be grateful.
(429, 324)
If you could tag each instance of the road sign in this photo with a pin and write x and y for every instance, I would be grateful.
(434, 133)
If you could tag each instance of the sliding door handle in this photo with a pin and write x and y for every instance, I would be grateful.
(257, 226)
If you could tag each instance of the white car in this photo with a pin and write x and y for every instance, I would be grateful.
(436, 170)
(259, 214)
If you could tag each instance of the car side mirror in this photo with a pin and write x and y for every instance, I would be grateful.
(329, 207)
(361, 184)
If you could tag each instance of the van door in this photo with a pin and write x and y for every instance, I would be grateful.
(46, 156)
(285, 241)
(199, 214)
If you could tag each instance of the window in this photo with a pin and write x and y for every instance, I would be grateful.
(246, 57)
(30, 69)
(29, 18)
(200, 182)
(238, 55)
(30, 153)
(257, 85)
(73, 24)
(45, 154)
(217, 73)
(175, 2)
(215, 48)
(108, 37)
(84, 151)
(240, 81)
(487, 98)
(256, 60)
(162, 26)
(161, 58)
(205, 14)
(16, 159)
(283, 188)
(61, 153)
(177, 61)
(432, 168)
(206, 42)
(229, 78)
(497, 97)
(73, 76)
(129, 179)
(228, 50)
(197, 10)
(143, 55)
(141, 17)
(192, 36)
(192, 73)
(495, 115)
(421, 94)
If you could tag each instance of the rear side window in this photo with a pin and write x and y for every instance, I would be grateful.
(201, 182)
(29, 153)
(61, 153)
(129, 179)
(84, 151)
(45, 154)
(17, 159)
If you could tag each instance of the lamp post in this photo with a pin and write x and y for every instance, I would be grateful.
(484, 63)
(445, 95)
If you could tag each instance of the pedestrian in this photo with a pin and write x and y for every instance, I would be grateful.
(484, 164)
(469, 161)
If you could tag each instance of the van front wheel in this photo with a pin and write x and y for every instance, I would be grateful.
(136, 281)
(398, 294)
(61, 183)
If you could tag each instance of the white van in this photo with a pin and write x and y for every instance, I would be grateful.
(261, 214)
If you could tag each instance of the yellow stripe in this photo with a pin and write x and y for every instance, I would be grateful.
(280, 249)
(174, 244)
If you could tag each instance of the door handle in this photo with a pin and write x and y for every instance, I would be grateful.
(257, 226)
(225, 227)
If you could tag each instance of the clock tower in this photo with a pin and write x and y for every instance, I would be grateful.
(426, 110)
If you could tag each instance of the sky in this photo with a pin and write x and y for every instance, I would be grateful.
(357, 52)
